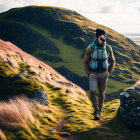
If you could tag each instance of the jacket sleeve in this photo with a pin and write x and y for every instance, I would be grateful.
(111, 60)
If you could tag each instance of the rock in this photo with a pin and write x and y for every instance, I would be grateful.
(24, 72)
(18, 77)
(65, 83)
(129, 109)
(67, 91)
(137, 88)
(40, 67)
(8, 55)
(41, 97)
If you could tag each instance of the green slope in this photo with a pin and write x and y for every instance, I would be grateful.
(60, 36)
(77, 111)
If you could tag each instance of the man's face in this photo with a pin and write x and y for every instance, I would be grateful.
(103, 37)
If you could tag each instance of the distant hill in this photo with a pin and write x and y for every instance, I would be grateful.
(134, 36)
(59, 37)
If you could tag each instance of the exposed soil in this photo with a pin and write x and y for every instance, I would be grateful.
(66, 135)
(59, 127)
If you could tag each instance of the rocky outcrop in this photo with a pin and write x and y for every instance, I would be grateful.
(129, 109)
(41, 97)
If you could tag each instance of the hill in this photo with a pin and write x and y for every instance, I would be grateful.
(59, 37)
(13, 61)
(38, 76)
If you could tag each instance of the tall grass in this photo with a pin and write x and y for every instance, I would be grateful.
(2, 135)
(20, 112)
(17, 111)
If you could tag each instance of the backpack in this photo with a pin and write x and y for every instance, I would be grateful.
(99, 57)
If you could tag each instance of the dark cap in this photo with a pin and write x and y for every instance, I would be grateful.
(100, 32)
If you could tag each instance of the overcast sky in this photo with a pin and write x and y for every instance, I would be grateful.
(120, 15)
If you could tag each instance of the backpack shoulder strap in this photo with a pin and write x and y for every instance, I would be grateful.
(107, 49)
(92, 48)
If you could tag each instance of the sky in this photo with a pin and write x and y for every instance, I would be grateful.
(120, 15)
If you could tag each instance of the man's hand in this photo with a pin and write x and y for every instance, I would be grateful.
(91, 74)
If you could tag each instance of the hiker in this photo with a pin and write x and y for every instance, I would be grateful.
(99, 63)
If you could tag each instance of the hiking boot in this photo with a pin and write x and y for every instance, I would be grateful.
(96, 115)
(100, 112)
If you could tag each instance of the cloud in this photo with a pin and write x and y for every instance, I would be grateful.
(106, 9)
(106, 12)
(8, 4)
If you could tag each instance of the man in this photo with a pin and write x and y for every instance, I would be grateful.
(99, 63)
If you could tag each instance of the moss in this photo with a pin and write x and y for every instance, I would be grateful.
(10, 87)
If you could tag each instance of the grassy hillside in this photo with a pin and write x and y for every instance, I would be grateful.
(59, 37)
(35, 121)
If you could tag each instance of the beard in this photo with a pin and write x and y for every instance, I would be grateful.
(103, 39)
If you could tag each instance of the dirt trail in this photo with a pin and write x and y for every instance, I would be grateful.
(101, 123)
(59, 127)
(65, 135)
